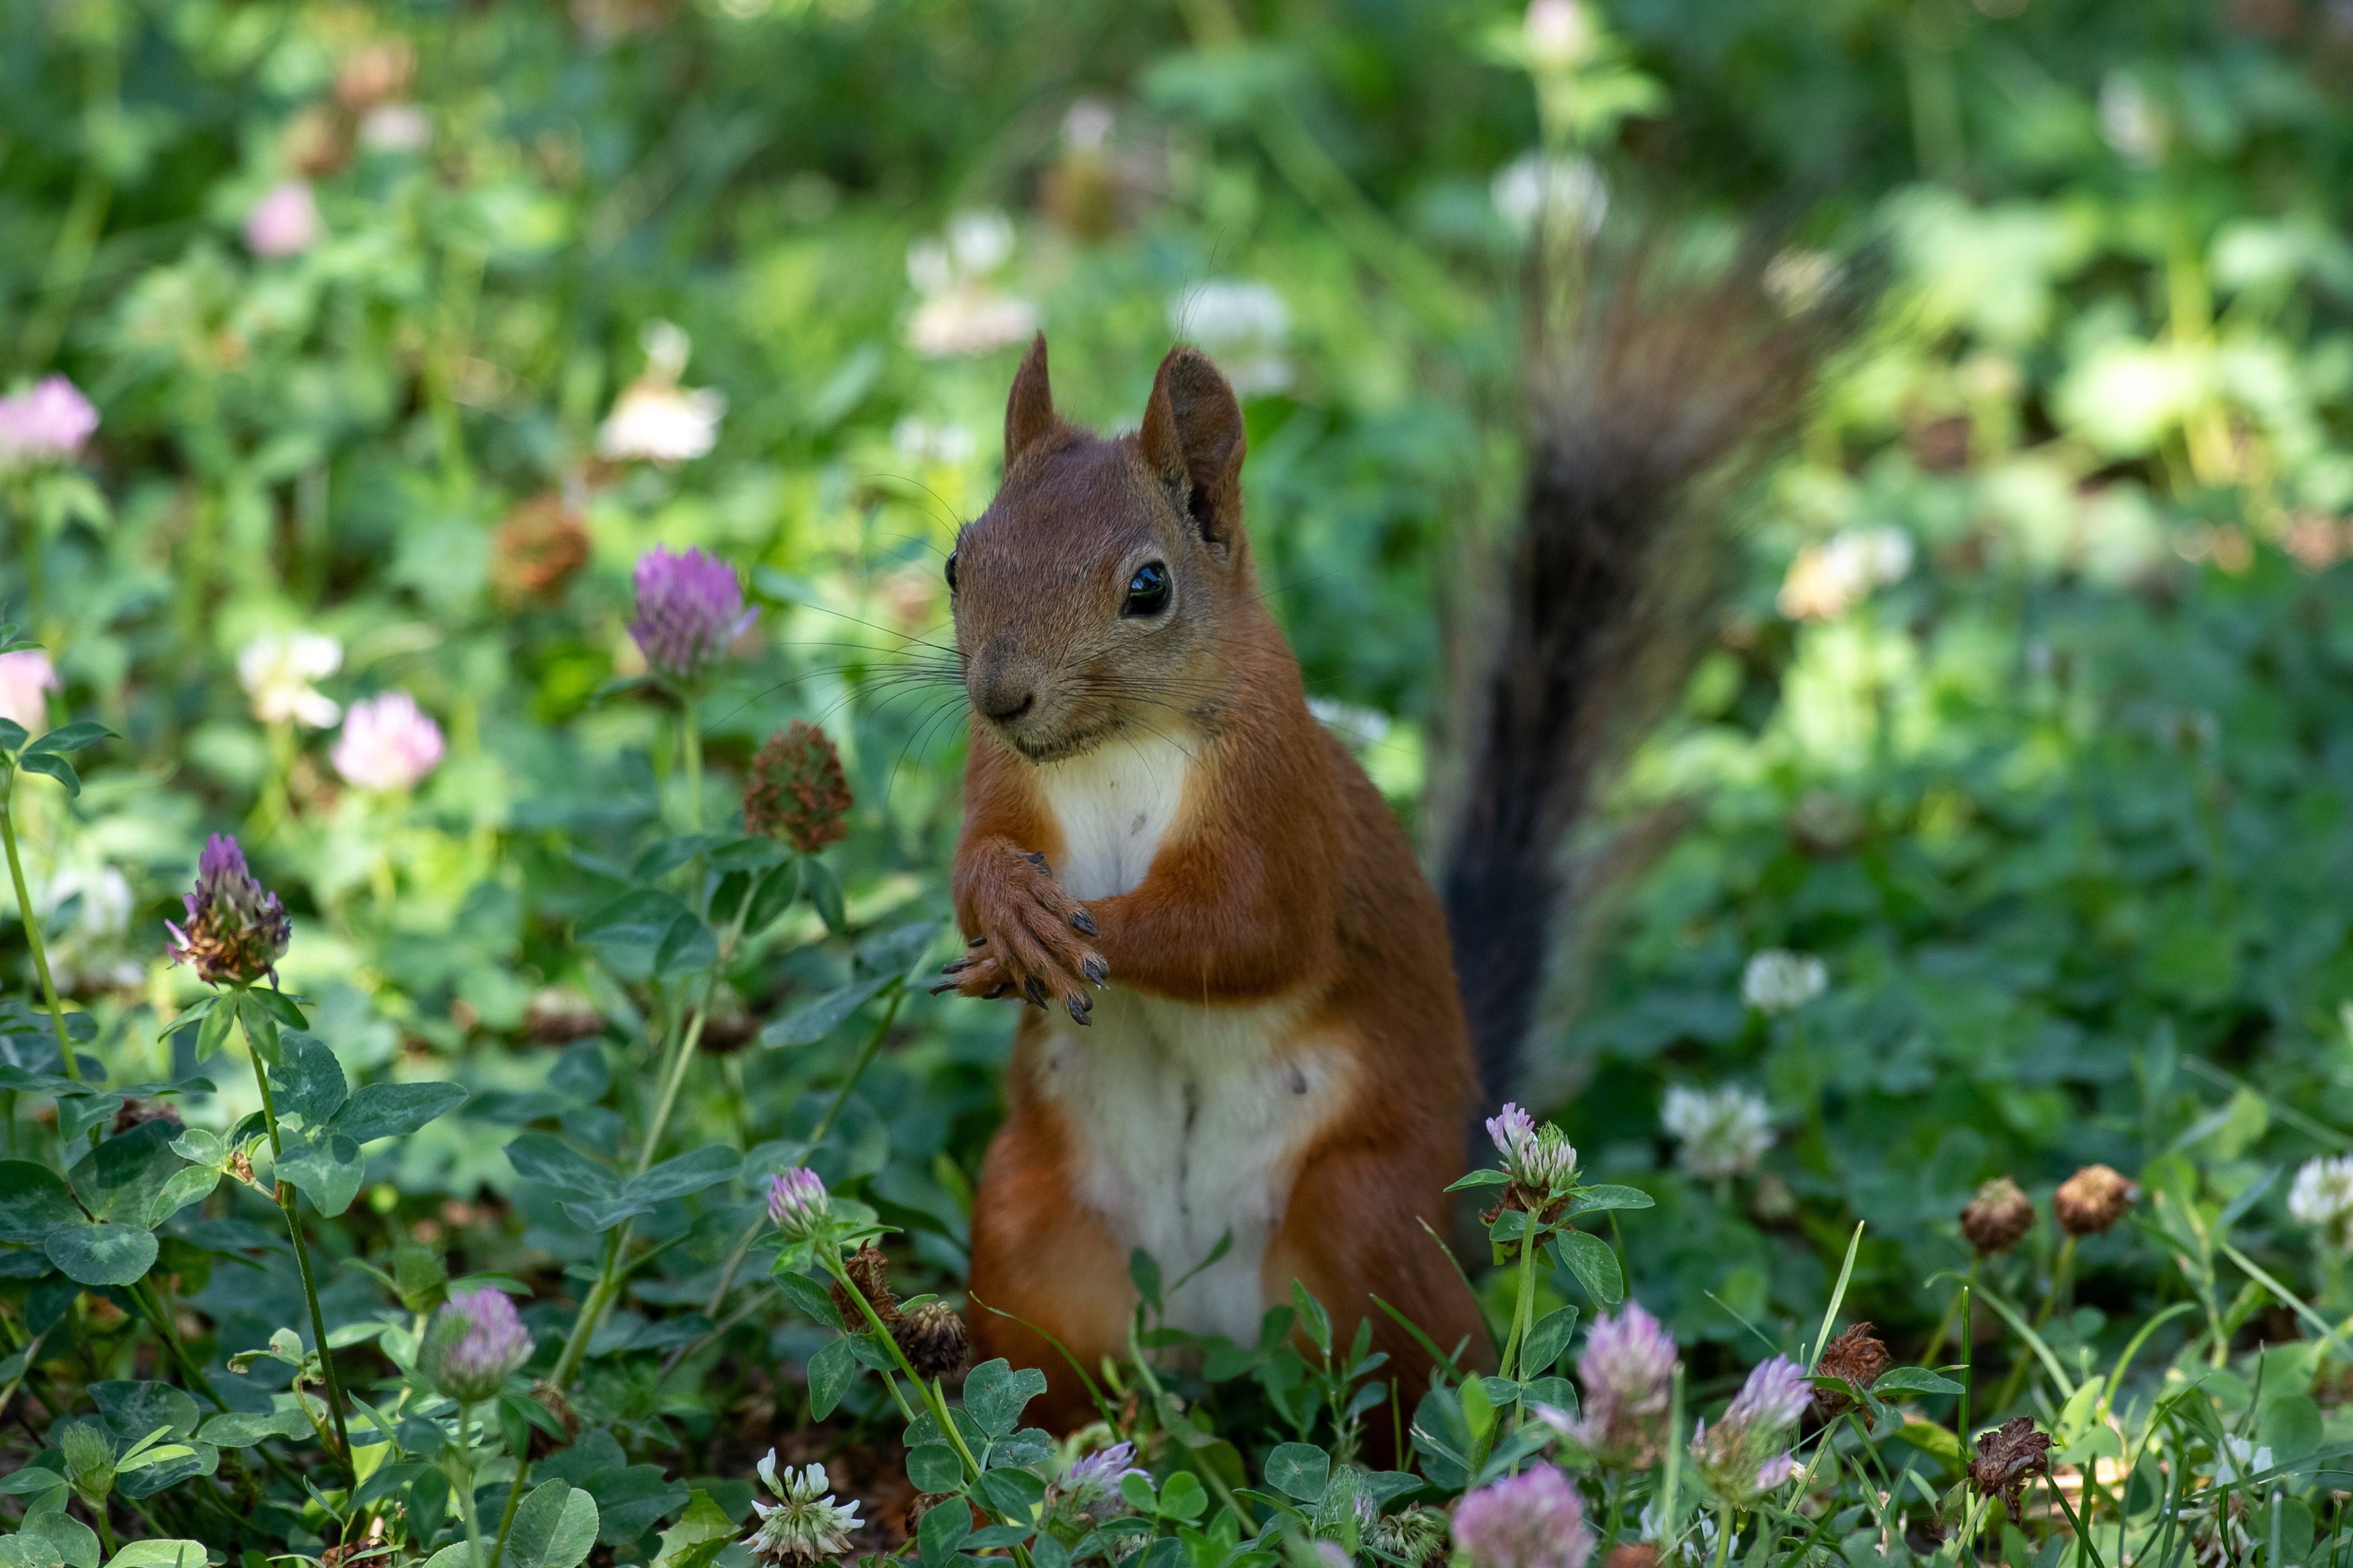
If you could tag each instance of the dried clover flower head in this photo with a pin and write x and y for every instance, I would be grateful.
(540, 547)
(871, 1272)
(1996, 1216)
(237, 930)
(796, 791)
(1857, 1357)
(473, 1343)
(934, 1339)
(1535, 1520)
(2006, 1458)
(804, 1525)
(2092, 1200)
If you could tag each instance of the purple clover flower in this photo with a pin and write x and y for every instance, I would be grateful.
(689, 611)
(44, 424)
(1540, 1158)
(1531, 1521)
(800, 1204)
(1628, 1368)
(473, 1343)
(1099, 1473)
(237, 929)
(1742, 1455)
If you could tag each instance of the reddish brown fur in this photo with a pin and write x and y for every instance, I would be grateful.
(1283, 875)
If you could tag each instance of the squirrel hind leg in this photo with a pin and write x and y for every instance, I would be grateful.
(1047, 1267)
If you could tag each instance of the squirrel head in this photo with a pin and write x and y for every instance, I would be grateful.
(1097, 594)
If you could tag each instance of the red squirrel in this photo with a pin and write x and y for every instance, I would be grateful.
(1243, 1017)
(1247, 1020)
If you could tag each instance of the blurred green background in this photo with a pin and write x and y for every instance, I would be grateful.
(2030, 721)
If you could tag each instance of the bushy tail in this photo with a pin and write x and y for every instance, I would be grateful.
(1650, 400)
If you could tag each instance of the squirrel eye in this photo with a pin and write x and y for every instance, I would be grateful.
(1147, 591)
(952, 555)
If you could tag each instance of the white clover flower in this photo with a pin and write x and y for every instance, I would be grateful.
(2240, 1461)
(396, 128)
(1087, 127)
(1722, 1132)
(93, 949)
(807, 1526)
(1556, 34)
(1779, 981)
(981, 241)
(1828, 580)
(279, 671)
(2130, 122)
(2322, 1198)
(1535, 184)
(1241, 323)
(655, 420)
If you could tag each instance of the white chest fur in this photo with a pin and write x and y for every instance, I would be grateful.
(1189, 1119)
(1114, 804)
(1190, 1122)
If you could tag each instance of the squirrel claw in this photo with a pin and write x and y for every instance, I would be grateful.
(977, 941)
(1083, 923)
(1096, 970)
(1079, 1008)
(940, 987)
(1034, 989)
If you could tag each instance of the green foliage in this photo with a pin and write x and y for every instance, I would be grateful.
(2023, 741)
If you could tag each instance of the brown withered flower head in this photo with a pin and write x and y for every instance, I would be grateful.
(934, 1339)
(237, 930)
(1632, 1554)
(1994, 1219)
(552, 1400)
(135, 1112)
(1858, 1358)
(2092, 1200)
(871, 1272)
(554, 1016)
(540, 547)
(2007, 1458)
(797, 793)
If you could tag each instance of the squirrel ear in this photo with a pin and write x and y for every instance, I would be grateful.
(1030, 408)
(1192, 436)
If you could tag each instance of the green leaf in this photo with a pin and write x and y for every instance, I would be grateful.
(11, 734)
(943, 1530)
(192, 1185)
(307, 1079)
(1912, 1379)
(134, 1410)
(830, 1372)
(811, 1297)
(771, 896)
(159, 1555)
(1182, 1496)
(55, 766)
(635, 922)
(1596, 1266)
(543, 1157)
(934, 1467)
(327, 1169)
(395, 1109)
(899, 950)
(1546, 1340)
(1014, 1493)
(1593, 1200)
(284, 1009)
(824, 893)
(688, 1173)
(33, 1203)
(214, 1034)
(750, 854)
(1489, 1177)
(700, 1534)
(994, 1395)
(555, 1527)
(813, 1021)
(103, 1254)
(124, 1175)
(244, 1428)
(25, 1549)
(71, 737)
(1312, 1317)
(1299, 1470)
(687, 947)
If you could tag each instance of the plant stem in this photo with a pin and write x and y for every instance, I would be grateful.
(462, 1476)
(690, 746)
(858, 1069)
(286, 1204)
(507, 1514)
(33, 929)
(1523, 1307)
(1723, 1533)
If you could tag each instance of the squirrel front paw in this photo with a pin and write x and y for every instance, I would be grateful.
(1031, 940)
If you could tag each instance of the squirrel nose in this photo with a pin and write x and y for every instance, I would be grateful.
(1004, 712)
